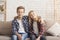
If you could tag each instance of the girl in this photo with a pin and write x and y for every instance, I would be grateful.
(36, 26)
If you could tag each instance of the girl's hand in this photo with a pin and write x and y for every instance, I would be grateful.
(38, 37)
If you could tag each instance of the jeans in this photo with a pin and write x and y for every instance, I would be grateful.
(24, 36)
(42, 38)
(33, 37)
(14, 37)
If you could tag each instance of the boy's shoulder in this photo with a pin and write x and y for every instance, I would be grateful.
(14, 20)
(25, 16)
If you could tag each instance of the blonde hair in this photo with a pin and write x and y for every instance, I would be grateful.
(30, 13)
(30, 20)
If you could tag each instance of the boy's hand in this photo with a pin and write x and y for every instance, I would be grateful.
(19, 36)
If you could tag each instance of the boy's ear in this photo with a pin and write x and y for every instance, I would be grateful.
(15, 17)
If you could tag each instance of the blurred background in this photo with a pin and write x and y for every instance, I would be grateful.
(47, 9)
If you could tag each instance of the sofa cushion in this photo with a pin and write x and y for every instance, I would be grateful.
(5, 28)
(52, 38)
(48, 23)
(54, 30)
(5, 38)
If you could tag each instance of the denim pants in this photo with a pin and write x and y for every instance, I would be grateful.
(24, 36)
(33, 37)
(42, 38)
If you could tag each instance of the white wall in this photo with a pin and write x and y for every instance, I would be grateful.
(43, 8)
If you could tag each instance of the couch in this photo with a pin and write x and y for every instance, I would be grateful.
(6, 27)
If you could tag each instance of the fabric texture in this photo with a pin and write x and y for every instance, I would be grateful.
(21, 28)
(54, 29)
(15, 25)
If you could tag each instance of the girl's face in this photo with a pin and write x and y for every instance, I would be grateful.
(33, 15)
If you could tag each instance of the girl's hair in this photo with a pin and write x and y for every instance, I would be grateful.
(30, 20)
(38, 17)
(30, 13)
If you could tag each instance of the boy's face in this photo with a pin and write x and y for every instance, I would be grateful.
(20, 12)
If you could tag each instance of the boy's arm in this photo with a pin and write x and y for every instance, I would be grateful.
(14, 30)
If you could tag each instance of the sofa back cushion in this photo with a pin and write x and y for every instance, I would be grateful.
(5, 28)
(48, 23)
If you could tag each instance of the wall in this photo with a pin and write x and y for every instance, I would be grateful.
(57, 11)
(44, 8)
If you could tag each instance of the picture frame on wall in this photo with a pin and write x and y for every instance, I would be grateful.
(2, 10)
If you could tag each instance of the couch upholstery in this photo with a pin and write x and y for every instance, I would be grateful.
(5, 32)
(5, 28)
(52, 38)
(5, 38)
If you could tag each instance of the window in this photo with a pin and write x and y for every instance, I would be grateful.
(2, 10)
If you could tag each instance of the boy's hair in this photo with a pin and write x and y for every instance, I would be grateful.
(20, 7)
